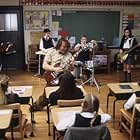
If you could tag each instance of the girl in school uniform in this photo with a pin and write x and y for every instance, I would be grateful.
(87, 117)
(128, 41)
(67, 89)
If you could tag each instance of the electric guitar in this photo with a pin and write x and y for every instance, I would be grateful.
(83, 48)
(123, 56)
(52, 77)
(4, 47)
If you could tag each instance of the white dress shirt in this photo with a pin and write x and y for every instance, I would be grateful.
(68, 118)
(41, 46)
(128, 43)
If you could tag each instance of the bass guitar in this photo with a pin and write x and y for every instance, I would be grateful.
(123, 56)
(52, 77)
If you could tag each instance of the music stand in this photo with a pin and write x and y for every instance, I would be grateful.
(92, 78)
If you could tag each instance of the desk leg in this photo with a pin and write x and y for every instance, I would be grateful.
(32, 119)
(53, 132)
(39, 64)
(12, 133)
(48, 121)
(32, 112)
(114, 108)
(114, 112)
(107, 102)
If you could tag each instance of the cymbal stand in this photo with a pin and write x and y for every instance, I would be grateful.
(92, 78)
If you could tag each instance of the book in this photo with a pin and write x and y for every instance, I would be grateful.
(125, 87)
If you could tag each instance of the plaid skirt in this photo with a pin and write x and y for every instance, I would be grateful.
(130, 60)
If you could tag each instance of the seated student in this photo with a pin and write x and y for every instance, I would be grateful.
(3, 83)
(87, 117)
(131, 101)
(7, 99)
(67, 90)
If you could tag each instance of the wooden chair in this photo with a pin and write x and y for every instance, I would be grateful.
(69, 103)
(128, 120)
(18, 122)
(32, 60)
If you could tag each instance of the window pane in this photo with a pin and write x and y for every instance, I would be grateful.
(7, 22)
(2, 22)
(14, 22)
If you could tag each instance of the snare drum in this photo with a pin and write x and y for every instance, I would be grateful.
(89, 64)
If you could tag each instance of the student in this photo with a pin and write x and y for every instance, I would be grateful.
(67, 90)
(128, 41)
(87, 117)
(128, 105)
(3, 83)
(46, 41)
(82, 52)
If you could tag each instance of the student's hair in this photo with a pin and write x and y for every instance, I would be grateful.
(60, 43)
(130, 32)
(47, 30)
(83, 36)
(90, 104)
(67, 85)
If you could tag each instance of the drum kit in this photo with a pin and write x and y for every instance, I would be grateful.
(82, 68)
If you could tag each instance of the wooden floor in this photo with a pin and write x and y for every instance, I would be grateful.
(38, 83)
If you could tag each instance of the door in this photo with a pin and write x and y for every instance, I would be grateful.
(12, 30)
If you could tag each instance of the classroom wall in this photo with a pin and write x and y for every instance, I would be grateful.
(9, 2)
(52, 8)
(122, 10)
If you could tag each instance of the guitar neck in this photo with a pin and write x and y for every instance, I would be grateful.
(82, 49)
(131, 49)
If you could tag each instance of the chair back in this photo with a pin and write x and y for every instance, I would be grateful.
(88, 133)
(33, 48)
(68, 103)
(17, 113)
(4, 79)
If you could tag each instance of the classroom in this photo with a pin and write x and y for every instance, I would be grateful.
(90, 48)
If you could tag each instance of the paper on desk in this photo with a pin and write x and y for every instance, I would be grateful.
(65, 119)
(16, 90)
(5, 111)
(66, 114)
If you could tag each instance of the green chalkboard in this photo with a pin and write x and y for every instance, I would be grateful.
(94, 24)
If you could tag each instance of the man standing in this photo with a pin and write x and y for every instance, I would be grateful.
(46, 41)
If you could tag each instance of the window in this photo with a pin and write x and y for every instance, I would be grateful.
(8, 22)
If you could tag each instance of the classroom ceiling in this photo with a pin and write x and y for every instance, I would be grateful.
(82, 2)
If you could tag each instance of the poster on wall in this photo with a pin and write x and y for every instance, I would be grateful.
(36, 20)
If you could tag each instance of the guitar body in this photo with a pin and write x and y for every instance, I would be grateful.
(124, 58)
(51, 78)
(121, 57)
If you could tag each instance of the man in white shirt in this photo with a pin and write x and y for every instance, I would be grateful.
(46, 41)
